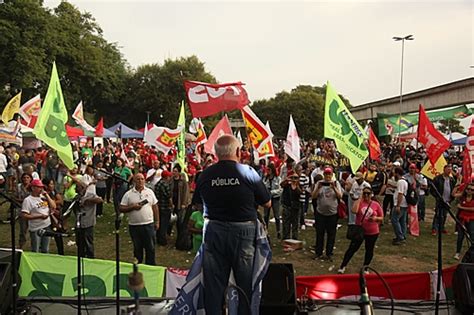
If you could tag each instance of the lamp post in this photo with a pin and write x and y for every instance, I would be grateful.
(402, 39)
(148, 117)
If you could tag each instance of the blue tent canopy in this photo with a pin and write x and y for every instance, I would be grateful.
(127, 132)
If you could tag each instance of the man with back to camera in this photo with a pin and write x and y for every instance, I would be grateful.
(229, 192)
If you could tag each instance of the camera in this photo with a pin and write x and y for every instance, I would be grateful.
(325, 183)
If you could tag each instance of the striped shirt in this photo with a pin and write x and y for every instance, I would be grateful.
(304, 185)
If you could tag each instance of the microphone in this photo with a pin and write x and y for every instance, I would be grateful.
(44, 232)
(366, 307)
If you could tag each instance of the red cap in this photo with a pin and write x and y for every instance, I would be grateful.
(413, 165)
(37, 183)
(327, 170)
(166, 173)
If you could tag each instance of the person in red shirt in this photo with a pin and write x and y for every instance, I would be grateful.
(466, 216)
(369, 214)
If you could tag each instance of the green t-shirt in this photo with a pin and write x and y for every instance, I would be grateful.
(87, 150)
(70, 193)
(198, 219)
(124, 172)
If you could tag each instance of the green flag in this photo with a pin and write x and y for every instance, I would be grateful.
(180, 143)
(340, 125)
(50, 126)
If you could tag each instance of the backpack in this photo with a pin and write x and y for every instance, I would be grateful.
(411, 196)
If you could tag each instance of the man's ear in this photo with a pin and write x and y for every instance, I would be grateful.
(237, 152)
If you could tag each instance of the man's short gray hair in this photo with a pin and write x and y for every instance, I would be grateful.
(226, 146)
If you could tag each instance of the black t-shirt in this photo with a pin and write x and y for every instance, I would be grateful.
(230, 191)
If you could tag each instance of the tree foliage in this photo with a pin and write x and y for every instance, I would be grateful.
(450, 125)
(159, 90)
(305, 103)
(90, 68)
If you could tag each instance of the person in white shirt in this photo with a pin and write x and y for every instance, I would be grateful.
(3, 163)
(153, 175)
(140, 204)
(36, 209)
(356, 184)
(399, 214)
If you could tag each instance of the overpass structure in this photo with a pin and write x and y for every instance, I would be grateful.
(451, 94)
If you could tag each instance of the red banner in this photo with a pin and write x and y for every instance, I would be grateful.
(434, 142)
(405, 286)
(208, 99)
(222, 127)
(99, 129)
(374, 146)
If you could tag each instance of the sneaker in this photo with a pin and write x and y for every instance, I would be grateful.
(303, 227)
(341, 270)
(397, 242)
(329, 258)
(456, 256)
(434, 232)
(318, 256)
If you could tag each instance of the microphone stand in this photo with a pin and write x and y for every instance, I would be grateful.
(366, 307)
(80, 250)
(438, 214)
(118, 220)
(13, 205)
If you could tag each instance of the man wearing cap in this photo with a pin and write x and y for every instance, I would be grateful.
(36, 209)
(229, 192)
(163, 194)
(356, 185)
(153, 175)
(327, 192)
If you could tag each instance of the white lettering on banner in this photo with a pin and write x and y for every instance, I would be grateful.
(225, 182)
(196, 96)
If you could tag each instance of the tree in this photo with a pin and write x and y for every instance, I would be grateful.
(90, 68)
(305, 103)
(159, 89)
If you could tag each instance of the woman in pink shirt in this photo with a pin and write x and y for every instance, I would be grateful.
(369, 214)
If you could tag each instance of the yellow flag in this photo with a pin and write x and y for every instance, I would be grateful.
(431, 171)
(11, 109)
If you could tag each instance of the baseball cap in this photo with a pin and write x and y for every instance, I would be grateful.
(396, 163)
(412, 165)
(166, 173)
(327, 170)
(37, 183)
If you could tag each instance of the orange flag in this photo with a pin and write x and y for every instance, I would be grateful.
(374, 146)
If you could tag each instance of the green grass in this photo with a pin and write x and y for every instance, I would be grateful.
(419, 254)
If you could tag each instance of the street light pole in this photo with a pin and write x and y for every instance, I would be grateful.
(402, 39)
(148, 117)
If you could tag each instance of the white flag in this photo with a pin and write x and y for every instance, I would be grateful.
(31, 108)
(239, 137)
(292, 144)
(78, 116)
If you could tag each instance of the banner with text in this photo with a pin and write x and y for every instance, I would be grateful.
(54, 276)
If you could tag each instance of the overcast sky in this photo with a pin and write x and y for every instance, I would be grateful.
(276, 45)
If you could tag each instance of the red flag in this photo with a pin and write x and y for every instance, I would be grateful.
(434, 141)
(99, 129)
(222, 127)
(208, 99)
(374, 146)
(468, 161)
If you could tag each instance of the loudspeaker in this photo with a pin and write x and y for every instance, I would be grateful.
(463, 288)
(5, 287)
(279, 291)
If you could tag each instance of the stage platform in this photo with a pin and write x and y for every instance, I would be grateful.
(102, 306)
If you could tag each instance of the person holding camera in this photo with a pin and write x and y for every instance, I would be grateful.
(328, 192)
(141, 206)
(36, 209)
(290, 200)
(369, 215)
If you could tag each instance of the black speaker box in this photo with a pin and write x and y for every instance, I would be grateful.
(463, 288)
(279, 291)
(5, 287)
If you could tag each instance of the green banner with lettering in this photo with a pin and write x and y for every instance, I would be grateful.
(389, 124)
(55, 276)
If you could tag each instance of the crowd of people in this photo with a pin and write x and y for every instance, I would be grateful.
(155, 192)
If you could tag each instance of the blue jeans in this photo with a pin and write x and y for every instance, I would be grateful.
(143, 238)
(351, 218)
(421, 208)
(39, 244)
(227, 245)
(399, 223)
(470, 229)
